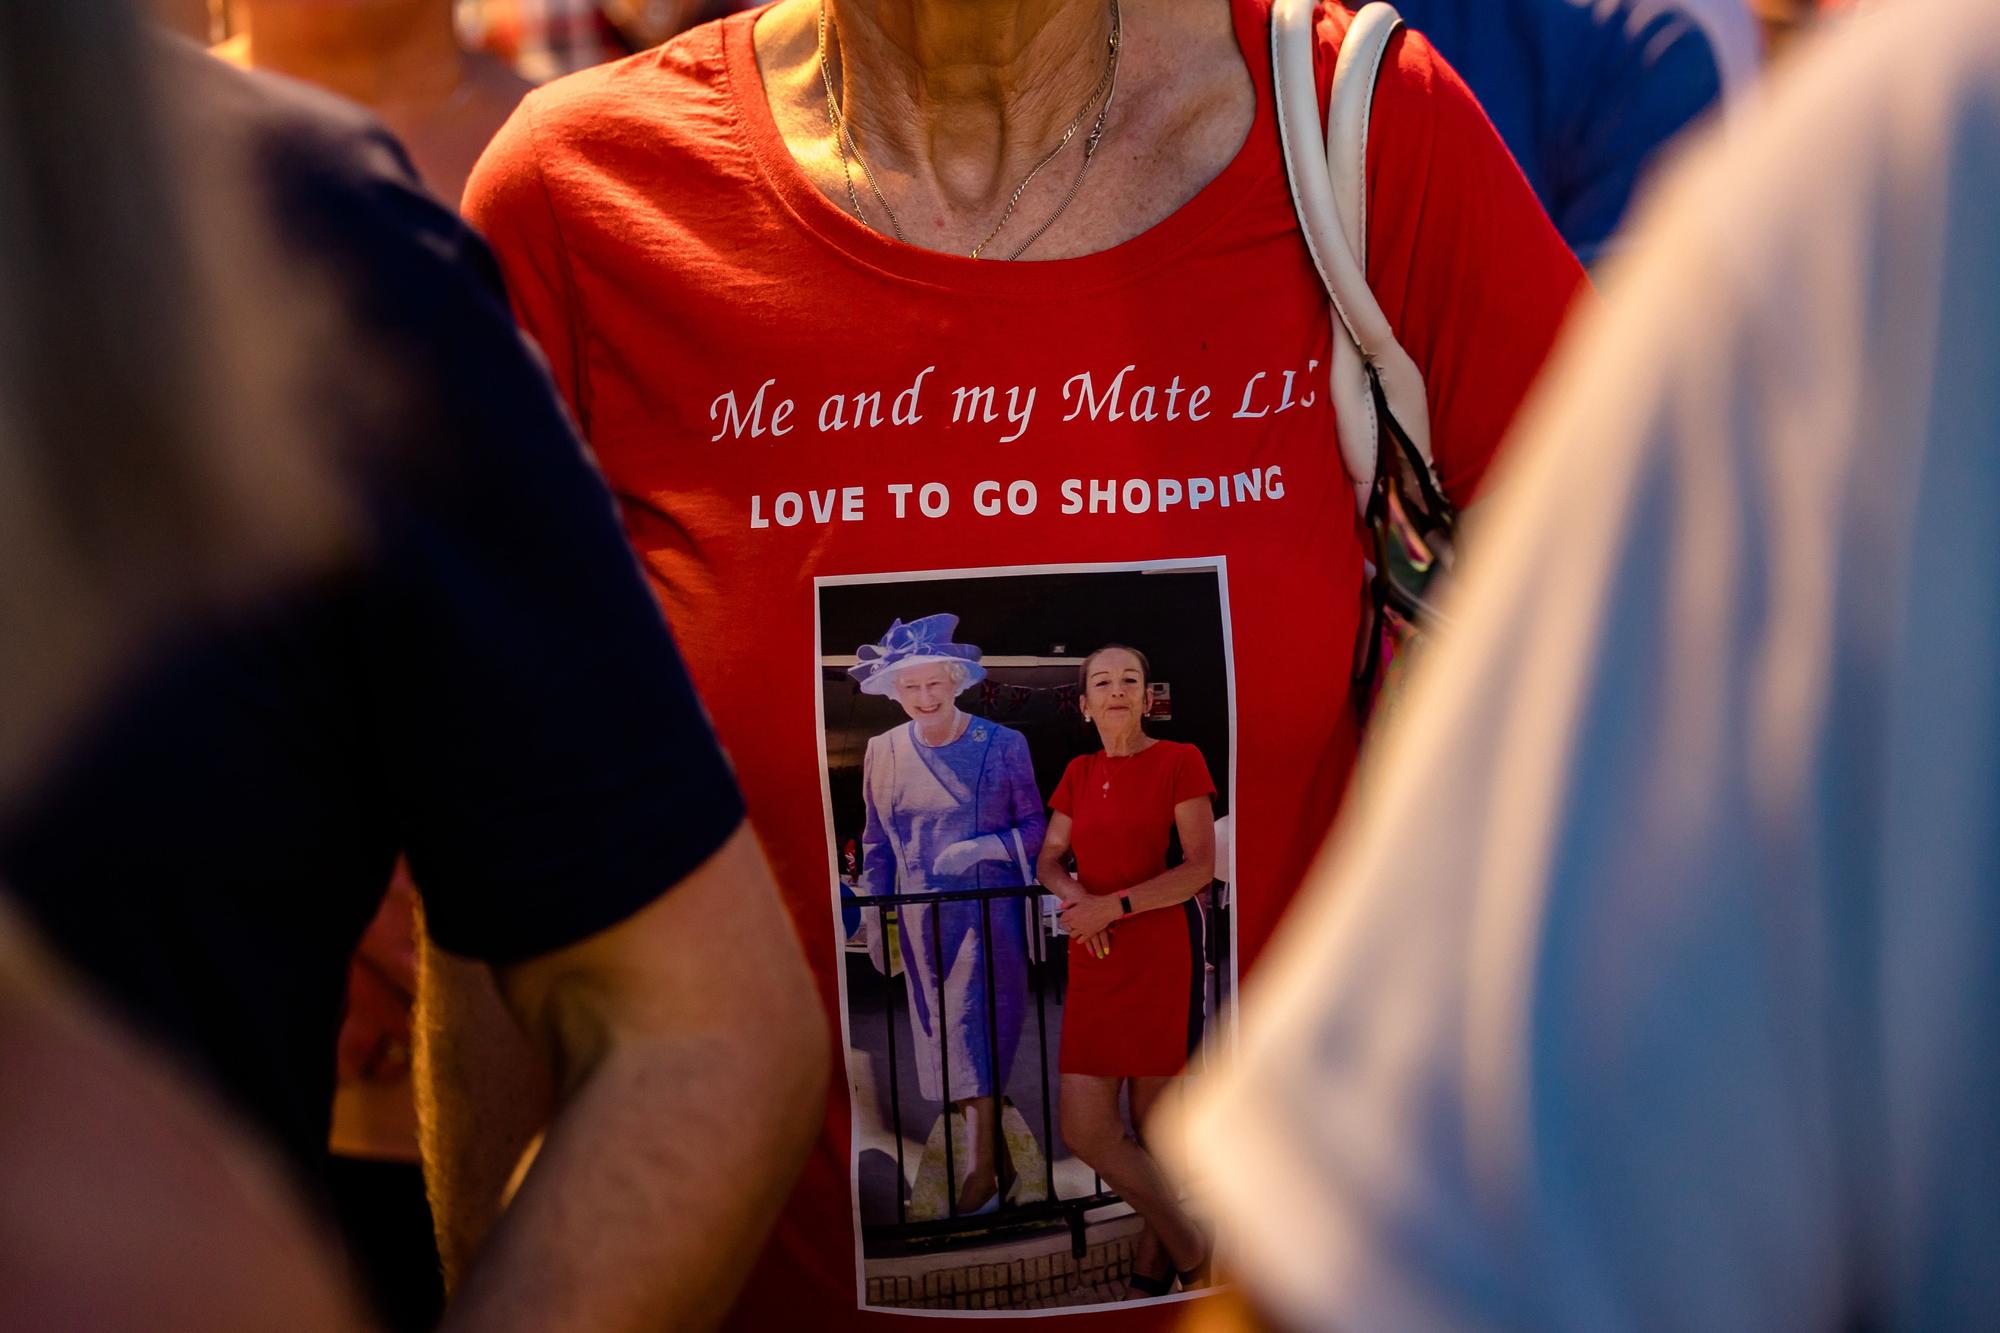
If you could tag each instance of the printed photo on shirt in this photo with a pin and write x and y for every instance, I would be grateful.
(960, 736)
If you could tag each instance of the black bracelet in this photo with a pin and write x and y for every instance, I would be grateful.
(1125, 901)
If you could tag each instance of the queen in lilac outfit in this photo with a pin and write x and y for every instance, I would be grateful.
(952, 804)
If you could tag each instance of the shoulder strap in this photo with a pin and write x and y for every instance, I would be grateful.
(1329, 191)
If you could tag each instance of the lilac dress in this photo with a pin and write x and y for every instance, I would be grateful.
(920, 800)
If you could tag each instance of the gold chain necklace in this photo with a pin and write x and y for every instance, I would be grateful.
(1101, 96)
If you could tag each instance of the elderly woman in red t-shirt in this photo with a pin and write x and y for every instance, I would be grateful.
(1133, 1010)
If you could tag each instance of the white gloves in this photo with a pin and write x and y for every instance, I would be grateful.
(962, 856)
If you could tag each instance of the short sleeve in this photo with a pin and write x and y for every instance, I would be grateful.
(508, 201)
(1064, 800)
(551, 768)
(1648, 87)
(1473, 276)
(1191, 777)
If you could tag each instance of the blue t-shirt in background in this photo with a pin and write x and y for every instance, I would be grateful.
(1587, 92)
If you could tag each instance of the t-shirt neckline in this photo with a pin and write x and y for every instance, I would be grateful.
(1159, 243)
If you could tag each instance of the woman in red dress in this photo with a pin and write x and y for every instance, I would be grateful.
(1133, 1010)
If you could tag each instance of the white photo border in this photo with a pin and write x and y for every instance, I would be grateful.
(1216, 564)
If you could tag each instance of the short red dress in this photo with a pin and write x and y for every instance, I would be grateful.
(1136, 1012)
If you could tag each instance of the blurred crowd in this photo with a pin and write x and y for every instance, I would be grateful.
(413, 873)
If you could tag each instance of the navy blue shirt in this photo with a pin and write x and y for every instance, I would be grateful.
(484, 684)
(1584, 92)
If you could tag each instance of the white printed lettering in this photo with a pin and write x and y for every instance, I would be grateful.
(1088, 398)
(1019, 419)
(903, 412)
(735, 422)
(1248, 391)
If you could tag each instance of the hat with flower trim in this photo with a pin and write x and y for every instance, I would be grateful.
(923, 642)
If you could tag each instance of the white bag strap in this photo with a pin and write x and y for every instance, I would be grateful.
(1330, 192)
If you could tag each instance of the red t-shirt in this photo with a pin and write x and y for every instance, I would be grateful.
(1126, 1013)
(1121, 810)
(778, 394)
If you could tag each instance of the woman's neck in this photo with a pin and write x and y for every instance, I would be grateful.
(941, 730)
(966, 94)
(393, 56)
(1124, 742)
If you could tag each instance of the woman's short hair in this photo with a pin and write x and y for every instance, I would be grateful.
(1083, 672)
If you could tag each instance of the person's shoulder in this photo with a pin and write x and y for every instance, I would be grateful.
(1006, 738)
(284, 128)
(1334, 20)
(1080, 763)
(1412, 75)
(1181, 757)
(338, 190)
(675, 92)
(333, 188)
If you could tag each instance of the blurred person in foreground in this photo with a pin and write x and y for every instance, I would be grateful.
(132, 1201)
(1656, 983)
(130, 492)
(193, 19)
(1589, 94)
(401, 59)
(481, 683)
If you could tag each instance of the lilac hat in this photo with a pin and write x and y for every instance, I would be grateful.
(919, 643)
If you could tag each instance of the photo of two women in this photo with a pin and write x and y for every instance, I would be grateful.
(1027, 779)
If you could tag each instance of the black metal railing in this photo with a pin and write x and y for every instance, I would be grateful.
(906, 1235)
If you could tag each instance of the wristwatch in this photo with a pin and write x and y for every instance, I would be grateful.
(1125, 902)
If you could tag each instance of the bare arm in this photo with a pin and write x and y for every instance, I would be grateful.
(484, 1094)
(1049, 868)
(688, 1053)
(131, 1200)
(1194, 820)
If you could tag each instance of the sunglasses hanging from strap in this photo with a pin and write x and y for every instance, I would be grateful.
(1380, 412)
